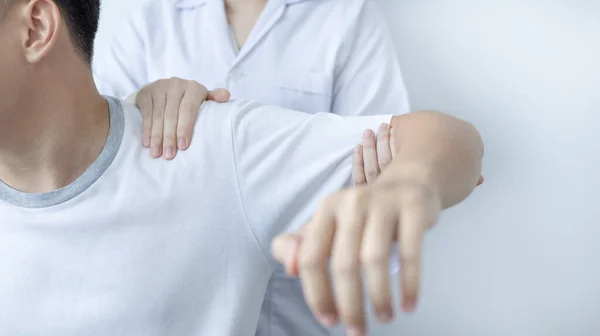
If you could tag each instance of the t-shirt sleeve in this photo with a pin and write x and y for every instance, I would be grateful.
(288, 161)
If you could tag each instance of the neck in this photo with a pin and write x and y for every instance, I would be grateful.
(57, 129)
(235, 4)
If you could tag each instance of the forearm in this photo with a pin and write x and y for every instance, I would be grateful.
(443, 151)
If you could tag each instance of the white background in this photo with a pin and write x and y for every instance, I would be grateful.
(521, 257)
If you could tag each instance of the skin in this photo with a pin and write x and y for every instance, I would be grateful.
(169, 106)
(169, 115)
(354, 230)
(53, 123)
(376, 154)
(242, 16)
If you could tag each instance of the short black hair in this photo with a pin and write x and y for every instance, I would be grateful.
(81, 17)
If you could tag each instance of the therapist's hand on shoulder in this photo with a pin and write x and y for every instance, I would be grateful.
(169, 108)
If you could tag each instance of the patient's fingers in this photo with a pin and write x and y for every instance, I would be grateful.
(345, 261)
(285, 249)
(416, 214)
(358, 166)
(313, 261)
(370, 156)
(378, 240)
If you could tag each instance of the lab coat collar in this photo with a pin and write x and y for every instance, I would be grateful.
(187, 4)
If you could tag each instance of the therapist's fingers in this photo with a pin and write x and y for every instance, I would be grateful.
(194, 96)
(384, 151)
(219, 95)
(144, 102)
(358, 166)
(393, 147)
(370, 156)
(159, 104)
(174, 98)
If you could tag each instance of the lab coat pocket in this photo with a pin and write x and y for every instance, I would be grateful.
(308, 92)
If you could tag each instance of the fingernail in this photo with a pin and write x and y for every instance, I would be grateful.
(146, 142)
(368, 134)
(384, 127)
(384, 317)
(169, 153)
(181, 143)
(328, 320)
(354, 331)
(292, 262)
(408, 306)
(155, 151)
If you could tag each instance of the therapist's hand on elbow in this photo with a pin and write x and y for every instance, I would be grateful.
(373, 155)
(169, 108)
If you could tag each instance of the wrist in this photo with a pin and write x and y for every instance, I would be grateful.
(418, 177)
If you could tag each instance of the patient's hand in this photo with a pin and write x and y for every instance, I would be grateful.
(169, 108)
(373, 155)
(349, 240)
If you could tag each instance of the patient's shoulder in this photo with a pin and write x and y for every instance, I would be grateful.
(235, 109)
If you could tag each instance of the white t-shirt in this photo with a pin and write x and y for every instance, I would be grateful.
(138, 246)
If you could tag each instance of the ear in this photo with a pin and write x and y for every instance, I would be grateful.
(42, 21)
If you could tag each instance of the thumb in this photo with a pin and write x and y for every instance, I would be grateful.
(285, 249)
(219, 95)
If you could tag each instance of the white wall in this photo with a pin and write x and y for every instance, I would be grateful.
(522, 257)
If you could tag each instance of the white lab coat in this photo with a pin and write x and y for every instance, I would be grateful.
(306, 55)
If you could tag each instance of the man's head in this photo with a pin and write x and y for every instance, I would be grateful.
(43, 43)
(80, 16)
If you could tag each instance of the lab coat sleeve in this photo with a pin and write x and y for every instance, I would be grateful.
(119, 68)
(368, 77)
(288, 161)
